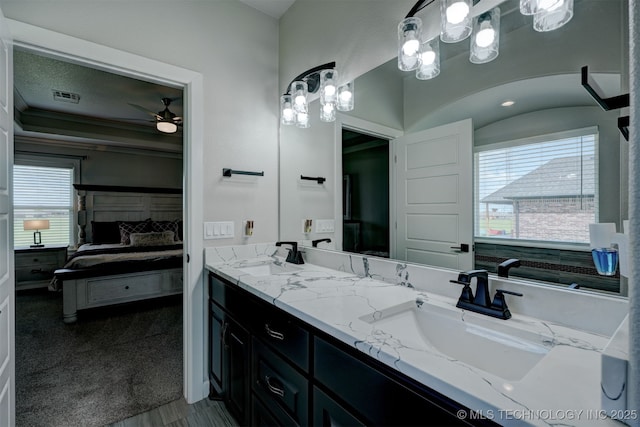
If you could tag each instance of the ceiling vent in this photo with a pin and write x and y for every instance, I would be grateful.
(61, 96)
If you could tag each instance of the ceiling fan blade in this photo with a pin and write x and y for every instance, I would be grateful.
(146, 111)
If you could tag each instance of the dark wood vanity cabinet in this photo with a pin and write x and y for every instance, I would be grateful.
(274, 369)
(229, 356)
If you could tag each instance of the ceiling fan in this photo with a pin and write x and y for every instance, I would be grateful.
(166, 121)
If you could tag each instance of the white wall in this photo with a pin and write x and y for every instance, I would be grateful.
(235, 48)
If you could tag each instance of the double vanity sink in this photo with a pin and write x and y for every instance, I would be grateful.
(520, 371)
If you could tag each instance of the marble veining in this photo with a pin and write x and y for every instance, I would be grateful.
(349, 300)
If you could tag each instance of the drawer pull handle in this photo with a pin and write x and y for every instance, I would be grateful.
(272, 333)
(273, 389)
(36, 270)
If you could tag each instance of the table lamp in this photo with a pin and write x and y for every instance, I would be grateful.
(37, 225)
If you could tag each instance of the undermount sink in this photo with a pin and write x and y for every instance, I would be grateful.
(268, 269)
(491, 345)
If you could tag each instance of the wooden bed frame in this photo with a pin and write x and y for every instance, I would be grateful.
(115, 203)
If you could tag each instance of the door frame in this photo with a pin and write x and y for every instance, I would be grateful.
(116, 61)
(356, 124)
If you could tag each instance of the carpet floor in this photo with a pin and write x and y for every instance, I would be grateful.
(115, 362)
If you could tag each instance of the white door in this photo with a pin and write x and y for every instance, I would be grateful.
(7, 282)
(434, 216)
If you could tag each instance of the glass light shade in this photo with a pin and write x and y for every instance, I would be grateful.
(485, 38)
(302, 119)
(531, 7)
(409, 39)
(553, 17)
(166, 127)
(455, 20)
(287, 115)
(328, 86)
(346, 97)
(328, 112)
(429, 60)
(299, 92)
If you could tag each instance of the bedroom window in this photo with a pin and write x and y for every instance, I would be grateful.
(43, 192)
(541, 189)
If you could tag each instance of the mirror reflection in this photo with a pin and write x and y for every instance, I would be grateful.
(530, 94)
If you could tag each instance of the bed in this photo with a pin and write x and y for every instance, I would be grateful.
(129, 248)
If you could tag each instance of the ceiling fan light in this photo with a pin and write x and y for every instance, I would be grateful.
(166, 127)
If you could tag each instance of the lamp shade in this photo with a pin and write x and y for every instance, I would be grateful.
(455, 20)
(36, 224)
(553, 17)
(409, 39)
(485, 40)
(429, 60)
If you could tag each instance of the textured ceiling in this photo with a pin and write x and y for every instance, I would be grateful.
(103, 111)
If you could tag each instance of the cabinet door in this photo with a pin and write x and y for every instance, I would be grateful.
(236, 372)
(328, 413)
(216, 333)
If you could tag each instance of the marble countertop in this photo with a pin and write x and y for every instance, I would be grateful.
(563, 388)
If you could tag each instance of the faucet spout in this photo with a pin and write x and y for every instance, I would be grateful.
(481, 297)
(505, 266)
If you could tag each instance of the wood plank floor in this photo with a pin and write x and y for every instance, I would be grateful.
(205, 413)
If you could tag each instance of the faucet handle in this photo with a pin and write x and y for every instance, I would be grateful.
(467, 293)
(499, 302)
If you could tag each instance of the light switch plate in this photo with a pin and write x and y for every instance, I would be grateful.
(218, 230)
(325, 225)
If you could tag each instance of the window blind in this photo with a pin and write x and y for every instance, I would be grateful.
(43, 193)
(544, 190)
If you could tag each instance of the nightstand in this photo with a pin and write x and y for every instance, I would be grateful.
(35, 266)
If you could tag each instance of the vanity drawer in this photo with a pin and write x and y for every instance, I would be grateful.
(282, 389)
(279, 331)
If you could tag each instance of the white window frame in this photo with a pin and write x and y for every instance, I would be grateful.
(57, 161)
(573, 133)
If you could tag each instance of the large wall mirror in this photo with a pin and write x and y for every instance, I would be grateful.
(539, 72)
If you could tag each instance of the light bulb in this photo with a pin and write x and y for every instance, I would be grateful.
(287, 114)
(410, 47)
(345, 97)
(300, 100)
(457, 12)
(329, 90)
(486, 35)
(428, 57)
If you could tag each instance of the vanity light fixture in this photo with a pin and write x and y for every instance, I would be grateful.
(294, 104)
(458, 20)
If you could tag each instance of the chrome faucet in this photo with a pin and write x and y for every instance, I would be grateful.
(294, 256)
(481, 302)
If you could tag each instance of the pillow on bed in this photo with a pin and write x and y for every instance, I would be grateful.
(105, 232)
(152, 239)
(128, 227)
(173, 226)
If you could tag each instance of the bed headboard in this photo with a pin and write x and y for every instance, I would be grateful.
(119, 203)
